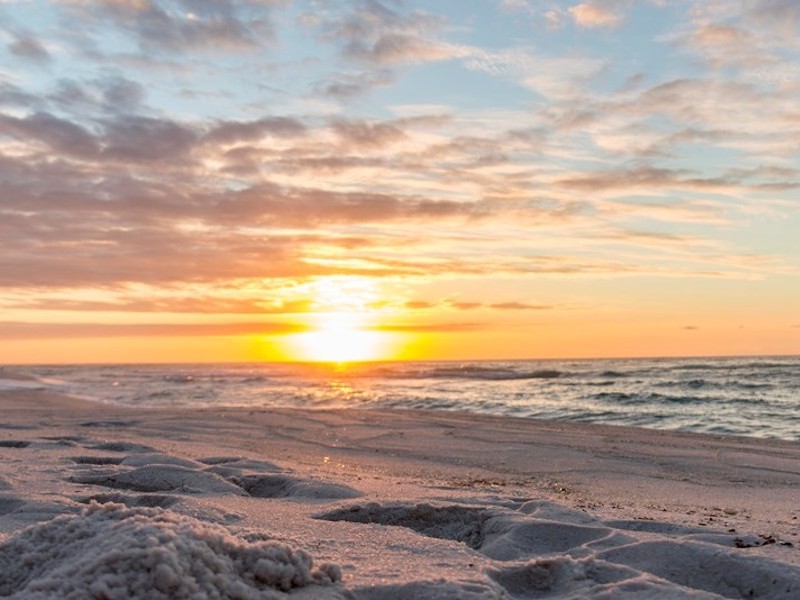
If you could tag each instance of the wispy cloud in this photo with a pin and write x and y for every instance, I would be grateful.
(176, 26)
(17, 331)
(379, 33)
(29, 48)
(599, 13)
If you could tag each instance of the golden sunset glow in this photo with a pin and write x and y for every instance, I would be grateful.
(341, 323)
(338, 337)
(579, 179)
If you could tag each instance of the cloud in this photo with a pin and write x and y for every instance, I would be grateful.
(643, 177)
(121, 94)
(393, 48)
(419, 305)
(779, 16)
(722, 45)
(23, 331)
(344, 86)
(374, 39)
(11, 95)
(519, 306)
(61, 135)
(145, 139)
(466, 305)
(372, 32)
(232, 132)
(30, 49)
(164, 300)
(752, 37)
(114, 94)
(186, 25)
(559, 78)
(365, 134)
(71, 223)
(461, 305)
(118, 138)
(599, 13)
(647, 177)
(429, 327)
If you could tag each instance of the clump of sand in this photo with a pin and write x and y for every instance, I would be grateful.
(111, 551)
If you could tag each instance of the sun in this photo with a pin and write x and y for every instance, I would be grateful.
(339, 338)
(342, 324)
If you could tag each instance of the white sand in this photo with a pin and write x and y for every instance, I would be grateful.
(104, 502)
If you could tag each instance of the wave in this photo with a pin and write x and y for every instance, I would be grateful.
(734, 365)
(614, 374)
(488, 373)
(634, 399)
(13, 385)
(179, 378)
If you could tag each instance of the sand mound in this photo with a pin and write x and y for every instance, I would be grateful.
(161, 478)
(129, 500)
(111, 551)
(156, 458)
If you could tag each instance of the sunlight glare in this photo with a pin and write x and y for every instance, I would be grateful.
(339, 338)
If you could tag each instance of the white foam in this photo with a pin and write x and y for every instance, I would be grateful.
(9, 385)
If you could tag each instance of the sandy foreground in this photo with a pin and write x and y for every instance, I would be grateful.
(107, 502)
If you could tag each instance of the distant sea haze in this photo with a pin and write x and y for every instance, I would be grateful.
(754, 396)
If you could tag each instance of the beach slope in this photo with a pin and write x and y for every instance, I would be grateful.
(106, 502)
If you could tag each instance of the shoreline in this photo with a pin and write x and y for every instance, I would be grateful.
(658, 491)
(705, 404)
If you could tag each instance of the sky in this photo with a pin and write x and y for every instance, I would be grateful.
(248, 180)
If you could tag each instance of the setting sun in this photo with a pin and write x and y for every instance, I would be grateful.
(338, 337)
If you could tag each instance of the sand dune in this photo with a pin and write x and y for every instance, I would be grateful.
(102, 502)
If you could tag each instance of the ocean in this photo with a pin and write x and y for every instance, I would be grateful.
(753, 396)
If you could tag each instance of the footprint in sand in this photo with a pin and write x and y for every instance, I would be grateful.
(97, 460)
(565, 577)
(113, 423)
(710, 568)
(285, 486)
(121, 447)
(10, 504)
(14, 443)
(458, 523)
(571, 554)
(496, 533)
(437, 590)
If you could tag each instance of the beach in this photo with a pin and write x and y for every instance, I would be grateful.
(103, 501)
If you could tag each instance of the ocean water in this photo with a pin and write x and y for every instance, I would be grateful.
(757, 397)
